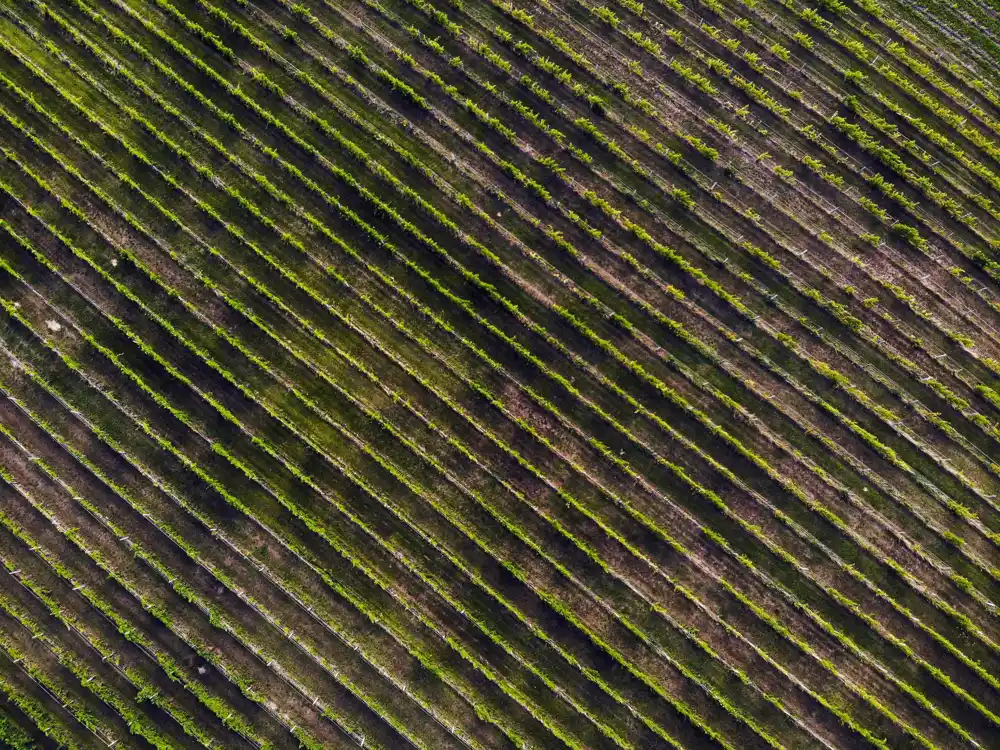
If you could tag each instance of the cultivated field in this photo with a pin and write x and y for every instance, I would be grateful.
(461, 374)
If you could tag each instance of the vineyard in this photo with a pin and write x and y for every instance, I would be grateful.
(457, 374)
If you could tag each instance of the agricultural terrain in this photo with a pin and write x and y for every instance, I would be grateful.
(473, 375)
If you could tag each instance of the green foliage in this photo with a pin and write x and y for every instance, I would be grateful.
(785, 174)
(682, 197)
(696, 79)
(910, 234)
(622, 190)
(701, 147)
